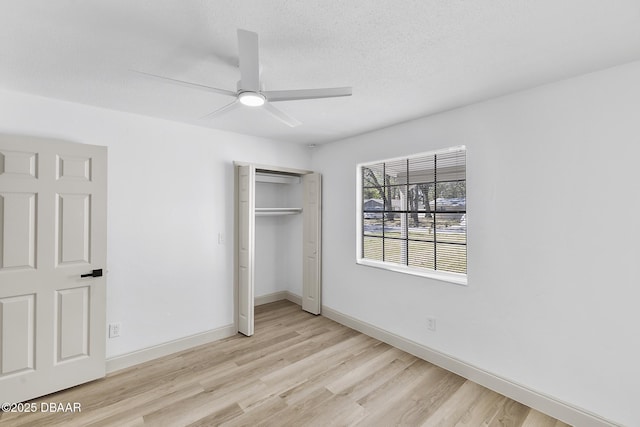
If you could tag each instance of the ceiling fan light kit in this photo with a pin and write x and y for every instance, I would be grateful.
(251, 99)
(249, 93)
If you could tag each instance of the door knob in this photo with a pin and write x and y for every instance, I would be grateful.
(94, 273)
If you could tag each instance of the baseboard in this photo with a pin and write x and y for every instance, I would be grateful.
(278, 296)
(546, 404)
(140, 356)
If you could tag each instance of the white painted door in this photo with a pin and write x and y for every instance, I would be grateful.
(246, 245)
(311, 251)
(52, 230)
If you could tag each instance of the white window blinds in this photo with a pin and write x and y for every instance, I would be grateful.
(414, 211)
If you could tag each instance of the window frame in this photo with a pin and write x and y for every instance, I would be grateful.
(447, 276)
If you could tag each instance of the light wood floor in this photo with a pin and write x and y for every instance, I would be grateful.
(297, 370)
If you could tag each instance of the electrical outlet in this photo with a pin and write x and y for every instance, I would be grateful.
(114, 329)
(431, 323)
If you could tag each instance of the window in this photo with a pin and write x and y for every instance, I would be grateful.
(413, 215)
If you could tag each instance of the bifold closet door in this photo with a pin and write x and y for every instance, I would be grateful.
(311, 251)
(246, 239)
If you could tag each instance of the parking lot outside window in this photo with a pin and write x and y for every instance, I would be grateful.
(413, 214)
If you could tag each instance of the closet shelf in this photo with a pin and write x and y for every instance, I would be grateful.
(278, 211)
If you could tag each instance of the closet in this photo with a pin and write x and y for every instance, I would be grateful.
(278, 229)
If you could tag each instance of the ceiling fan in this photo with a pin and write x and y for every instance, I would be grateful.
(249, 92)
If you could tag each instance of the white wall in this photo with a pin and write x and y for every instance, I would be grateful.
(553, 184)
(170, 194)
(278, 261)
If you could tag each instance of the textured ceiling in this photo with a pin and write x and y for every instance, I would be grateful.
(404, 59)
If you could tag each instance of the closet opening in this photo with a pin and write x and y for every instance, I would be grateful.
(277, 239)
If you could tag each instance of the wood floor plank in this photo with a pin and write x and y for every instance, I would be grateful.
(129, 410)
(258, 413)
(342, 370)
(297, 370)
(301, 410)
(230, 412)
(376, 378)
(363, 370)
(337, 410)
(483, 411)
(426, 397)
(385, 400)
(456, 406)
(538, 419)
(511, 414)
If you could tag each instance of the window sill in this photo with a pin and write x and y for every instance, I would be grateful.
(457, 278)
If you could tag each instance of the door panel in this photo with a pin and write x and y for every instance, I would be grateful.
(73, 228)
(72, 326)
(52, 230)
(246, 239)
(17, 319)
(74, 168)
(17, 230)
(18, 163)
(311, 281)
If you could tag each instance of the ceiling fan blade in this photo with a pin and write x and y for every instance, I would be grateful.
(188, 84)
(249, 60)
(281, 115)
(232, 106)
(292, 95)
